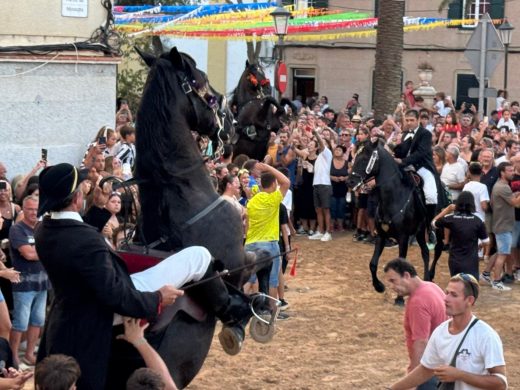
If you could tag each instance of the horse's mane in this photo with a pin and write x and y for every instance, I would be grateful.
(159, 120)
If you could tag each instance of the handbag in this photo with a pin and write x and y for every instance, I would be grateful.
(453, 363)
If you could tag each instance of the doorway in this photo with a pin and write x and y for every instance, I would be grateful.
(304, 82)
(464, 83)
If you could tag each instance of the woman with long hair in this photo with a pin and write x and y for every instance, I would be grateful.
(104, 143)
(439, 158)
(114, 207)
(467, 146)
(463, 229)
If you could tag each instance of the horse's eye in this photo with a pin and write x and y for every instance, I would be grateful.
(212, 100)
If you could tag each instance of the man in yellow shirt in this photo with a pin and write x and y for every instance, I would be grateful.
(264, 225)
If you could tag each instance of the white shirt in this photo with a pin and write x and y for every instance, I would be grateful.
(287, 201)
(66, 215)
(510, 124)
(481, 194)
(322, 168)
(481, 350)
(453, 174)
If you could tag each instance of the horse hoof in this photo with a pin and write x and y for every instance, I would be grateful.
(399, 301)
(230, 341)
(379, 287)
(260, 331)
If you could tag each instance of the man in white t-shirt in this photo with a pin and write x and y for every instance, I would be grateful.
(322, 190)
(478, 189)
(453, 175)
(480, 362)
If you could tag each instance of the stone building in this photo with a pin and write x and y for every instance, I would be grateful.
(340, 68)
(57, 79)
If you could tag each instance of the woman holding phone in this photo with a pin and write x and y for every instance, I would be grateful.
(105, 142)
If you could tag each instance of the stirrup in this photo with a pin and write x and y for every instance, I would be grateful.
(230, 340)
(262, 325)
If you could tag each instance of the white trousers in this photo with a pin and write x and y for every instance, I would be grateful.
(429, 186)
(188, 265)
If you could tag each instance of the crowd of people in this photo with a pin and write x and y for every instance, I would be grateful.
(300, 188)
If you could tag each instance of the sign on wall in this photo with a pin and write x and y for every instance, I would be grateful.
(74, 8)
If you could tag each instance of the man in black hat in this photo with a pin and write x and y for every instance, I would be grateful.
(91, 282)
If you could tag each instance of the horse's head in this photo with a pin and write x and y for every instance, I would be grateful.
(256, 82)
(182, 80)
(366, 164)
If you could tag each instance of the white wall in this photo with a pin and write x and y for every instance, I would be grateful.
(59, 107)
(195, 48)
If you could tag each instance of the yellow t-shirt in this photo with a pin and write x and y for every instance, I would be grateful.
(263, 210)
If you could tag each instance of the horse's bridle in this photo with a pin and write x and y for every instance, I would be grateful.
(363, 179)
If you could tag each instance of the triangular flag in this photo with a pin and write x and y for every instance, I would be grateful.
(292, 272)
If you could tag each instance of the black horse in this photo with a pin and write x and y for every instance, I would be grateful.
(400, 211)
(179, 206)
(257, 113)
(252, 85)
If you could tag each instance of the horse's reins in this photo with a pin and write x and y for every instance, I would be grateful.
(226, 272)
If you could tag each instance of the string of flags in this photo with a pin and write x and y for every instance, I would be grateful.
(254, 22)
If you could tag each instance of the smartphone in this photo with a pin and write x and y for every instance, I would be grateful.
(486, 119)
(3, 185)
(44, 154)
(102, 140)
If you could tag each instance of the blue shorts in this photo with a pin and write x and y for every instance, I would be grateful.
(274, 250)
(29, 309)
(504, 242)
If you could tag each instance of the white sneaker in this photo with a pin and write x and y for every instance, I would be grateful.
(326, 237)
(500, 286)
(316, 236)
(484, 279)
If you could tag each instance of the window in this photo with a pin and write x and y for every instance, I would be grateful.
(474, 9)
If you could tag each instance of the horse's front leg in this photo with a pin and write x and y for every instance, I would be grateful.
(425, 253)
(439, 246)
(378, 249)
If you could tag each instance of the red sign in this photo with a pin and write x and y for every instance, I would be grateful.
(281, 77)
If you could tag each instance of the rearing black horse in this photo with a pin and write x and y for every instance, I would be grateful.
(400, 212)
(179, 205)
(257, 113)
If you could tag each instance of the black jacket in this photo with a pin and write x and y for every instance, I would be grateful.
(90, 284)
(417, 151)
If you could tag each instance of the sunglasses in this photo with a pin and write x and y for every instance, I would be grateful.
(344, 135)
(470, 280)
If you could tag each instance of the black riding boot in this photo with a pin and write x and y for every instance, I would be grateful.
(229, 305)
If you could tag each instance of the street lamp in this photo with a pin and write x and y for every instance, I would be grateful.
(281, 24)
(506, 31)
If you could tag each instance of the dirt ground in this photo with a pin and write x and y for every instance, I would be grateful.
(341, 333)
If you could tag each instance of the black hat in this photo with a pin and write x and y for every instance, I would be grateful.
(57, 182)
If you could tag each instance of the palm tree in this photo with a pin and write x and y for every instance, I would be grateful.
(389, 53)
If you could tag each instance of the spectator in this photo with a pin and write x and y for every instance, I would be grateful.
(507, 121)
(3, 171)
(104, 143)
(114, 207)
(515, 112)
(221, 171)
(451, 125)
(424, 311)
(303, 193)
(338, 177)
(408, 93)
(322, 190)
(439, 158)
(465, 230)
(467, 146)
(478, 189)
(263, 232)
(57, 372)
(453, 172)
(134, 334)
(475, 359)
(285, 156)
(503, 203)
(30, 295)
(466, 125)
(14, 379)
(19, 189)
(13, 276)
(353, 107)
(9, 213)
(126, 153)
(512, 148)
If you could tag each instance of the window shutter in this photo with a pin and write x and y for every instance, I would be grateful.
(496, 10)
(376, 8)
(455, 11)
